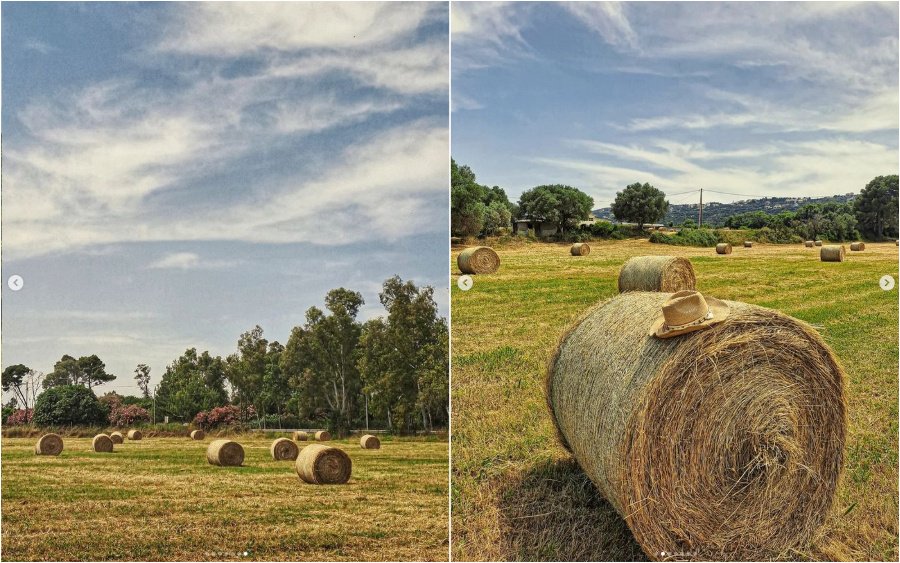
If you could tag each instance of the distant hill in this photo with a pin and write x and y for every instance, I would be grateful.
(715, 213)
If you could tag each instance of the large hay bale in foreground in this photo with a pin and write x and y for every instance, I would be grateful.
(300, 436)
(478, 260)
(726, 442)
(580, 249)
(282, 449)
(818, 243)
(857, 246)
(135, 435)
(370, 442)
(102, 443)
(656, 273)
(117, 437)
(198, 435)
(323, 465)
(832, 253)
(225, 453)
(809, 243)
(748, 244)
(723, 248)
(322, 436)
(49, 444)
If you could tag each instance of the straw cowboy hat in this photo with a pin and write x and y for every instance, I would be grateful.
(687, 311)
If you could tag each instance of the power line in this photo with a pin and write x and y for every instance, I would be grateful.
(732, 193)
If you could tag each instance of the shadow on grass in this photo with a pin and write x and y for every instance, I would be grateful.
(554, 513)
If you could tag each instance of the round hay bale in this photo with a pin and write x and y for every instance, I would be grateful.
(580, 249)
(225, 453)
(117, 437)
(323, 465)
(300, 436)
(809, 244)
(725, 442)
(857, 246)
(832, 253)
(282, 449)
(322, 436)
(49, 444)
(198, 435)
(370, 442)
(478, 260)
(818, 243)
(656, 273)
(135, 435)
(723, 248)
(748, 244)
(102, 443)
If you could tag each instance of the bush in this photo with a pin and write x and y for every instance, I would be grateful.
(687, 237)
(230, 415)
(128, 415)
(68, 405)
(19, 417)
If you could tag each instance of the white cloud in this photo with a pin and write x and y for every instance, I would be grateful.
(607, 19)
(189, 261)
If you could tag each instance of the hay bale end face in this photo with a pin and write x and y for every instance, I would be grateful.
(135, 435)
(580, 249)
(198, 435)
(818, 243)
(748, 244)
(49, 444)
(318, 464)
(728, 440)
(370, 442)
(322, 436)
(832, 253)
(300, 436)
(282, 449)
(478, 260)
(102, 443)
(117, 437)
(857, 246)
(809, 244)
(723, 248)
(656, 273)
(225, 453)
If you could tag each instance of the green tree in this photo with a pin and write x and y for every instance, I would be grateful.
(466, 202)
(641, 204)
(563, 205)
(142, 376)
(246, 369)
(876, 208)
(192, 383)
(65, 372)
(22, 382)
(496, 216)
(69, 405)
(92, 371)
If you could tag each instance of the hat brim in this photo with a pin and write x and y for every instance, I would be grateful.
(719, 311)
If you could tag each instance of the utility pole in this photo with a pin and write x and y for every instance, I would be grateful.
(700, 220)
(367, 410)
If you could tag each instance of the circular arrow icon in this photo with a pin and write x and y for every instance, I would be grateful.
(465, 283)
(887, 283)
(15, 282)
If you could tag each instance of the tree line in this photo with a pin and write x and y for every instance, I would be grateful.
(333, 371)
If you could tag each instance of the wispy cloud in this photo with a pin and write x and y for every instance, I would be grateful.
(189, 261)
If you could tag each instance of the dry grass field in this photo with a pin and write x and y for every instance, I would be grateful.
(517, 495)
(159, 499)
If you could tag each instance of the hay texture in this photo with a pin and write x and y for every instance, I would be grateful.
(656, 273)
(580, 249)
(748, 244)
(723, 248)
(809, 244)
(725, 443)
(225, 453)
(282, 449)
(117, 437)
(818, 243)
(102, 443)
(478, 260)
(857, 246)
(322, 436)
(369, 442)
(323, 465)
(300, 436)
(198, 435)
(832, 253)
(49, 444)
(135, 435)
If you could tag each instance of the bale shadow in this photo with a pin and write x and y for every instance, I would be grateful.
(554, 513)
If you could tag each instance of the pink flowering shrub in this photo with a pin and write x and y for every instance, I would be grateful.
(229, 415)
(21, 416)
(127, 415)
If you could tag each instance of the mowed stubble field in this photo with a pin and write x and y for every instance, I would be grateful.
(159, 499)
(518, 495)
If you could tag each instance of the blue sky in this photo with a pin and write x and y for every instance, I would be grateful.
(174, 174)
(777, 99)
